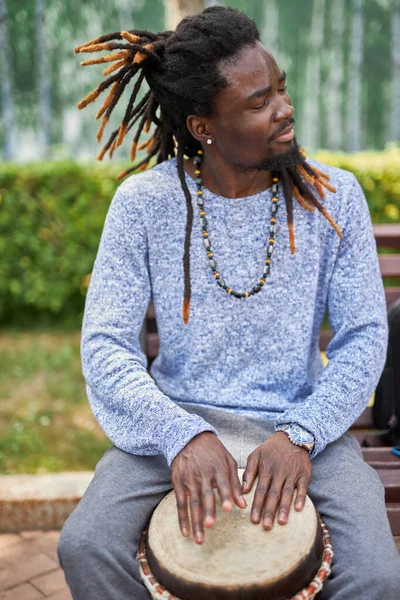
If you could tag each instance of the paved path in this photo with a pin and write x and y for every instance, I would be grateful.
(29, 568)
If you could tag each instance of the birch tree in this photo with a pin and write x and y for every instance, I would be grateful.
(270, 29)
(354, 141)
(5, 82)
(310, 117)
(176, 10)
(335, 82)
(125, 9)
(43, 77)
(394, 130)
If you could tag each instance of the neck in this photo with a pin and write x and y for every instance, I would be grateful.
(224, 180)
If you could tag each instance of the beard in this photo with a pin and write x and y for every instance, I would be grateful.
(274, 161)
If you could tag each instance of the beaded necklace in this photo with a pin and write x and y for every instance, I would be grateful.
(210, 254)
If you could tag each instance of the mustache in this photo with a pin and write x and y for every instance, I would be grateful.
(282, 128)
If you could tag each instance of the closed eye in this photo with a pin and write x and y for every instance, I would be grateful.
(265, 100)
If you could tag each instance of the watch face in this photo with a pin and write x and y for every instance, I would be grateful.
(298, 434)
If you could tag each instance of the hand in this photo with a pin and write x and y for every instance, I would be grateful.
(281, 466)
(204, 463)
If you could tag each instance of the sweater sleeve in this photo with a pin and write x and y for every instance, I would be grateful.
(358, 318)
(133, 412)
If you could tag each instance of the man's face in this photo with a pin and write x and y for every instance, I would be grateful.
(252, 111)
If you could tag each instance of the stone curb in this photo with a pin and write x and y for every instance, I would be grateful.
(40, 501)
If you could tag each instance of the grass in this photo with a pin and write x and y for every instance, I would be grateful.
(46, 424)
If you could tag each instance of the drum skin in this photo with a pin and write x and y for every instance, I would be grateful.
(238, 560)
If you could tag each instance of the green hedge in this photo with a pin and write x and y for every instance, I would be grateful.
(52, 215)
(51, 218)
(379, 176)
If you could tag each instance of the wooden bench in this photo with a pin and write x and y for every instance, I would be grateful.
(384, 461)
(387, 237)
(378, 456)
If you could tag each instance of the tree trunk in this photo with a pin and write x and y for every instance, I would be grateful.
(335, 83)
(176, 10)
(43, 78)
(311, 109)
(394, 128)
(354, 142)
(125, 9)
(270, 30)
(5, 82)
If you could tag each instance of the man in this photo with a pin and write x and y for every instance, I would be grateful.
(238, 381)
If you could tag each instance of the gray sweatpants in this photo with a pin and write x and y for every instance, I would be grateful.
(99, 540)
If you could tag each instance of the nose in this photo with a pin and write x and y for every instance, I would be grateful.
(284, 110)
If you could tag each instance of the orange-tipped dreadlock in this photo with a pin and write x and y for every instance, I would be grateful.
(184, 83)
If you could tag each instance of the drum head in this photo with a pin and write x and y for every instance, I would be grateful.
(238, 559)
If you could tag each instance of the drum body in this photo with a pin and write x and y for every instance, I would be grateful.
(238, 559)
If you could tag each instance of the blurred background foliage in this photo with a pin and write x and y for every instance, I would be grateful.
(342, 61)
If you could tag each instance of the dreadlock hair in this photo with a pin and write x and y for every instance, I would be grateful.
(181, 70)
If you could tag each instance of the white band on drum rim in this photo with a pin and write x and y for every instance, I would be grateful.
(158, 592)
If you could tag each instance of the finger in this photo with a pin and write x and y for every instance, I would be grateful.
(208, 498)
(181, 504)
(286, 501)
(222, 479)
(260, 496)
(273, 498)
(302, 486)
(236, 486)
(196, 512)
(250, 473)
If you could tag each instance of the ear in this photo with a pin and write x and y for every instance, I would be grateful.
(198, 128)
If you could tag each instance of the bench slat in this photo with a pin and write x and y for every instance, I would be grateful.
(324, 339)
(392, 294)
(389, 265)
(381, 458)
(153, 345)
(387, 235)
(391, 481)
(393, 513)
(375, 441)
(364, 421)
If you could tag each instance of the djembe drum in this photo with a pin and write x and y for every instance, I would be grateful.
(238, 559)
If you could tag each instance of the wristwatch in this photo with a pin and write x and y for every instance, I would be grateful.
(298, 435)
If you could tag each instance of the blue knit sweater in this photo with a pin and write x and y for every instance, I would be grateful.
(255, 356)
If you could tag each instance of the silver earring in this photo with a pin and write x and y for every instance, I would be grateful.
(209, 141)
